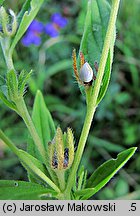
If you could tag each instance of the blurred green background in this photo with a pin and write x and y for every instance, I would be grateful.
(116, 124)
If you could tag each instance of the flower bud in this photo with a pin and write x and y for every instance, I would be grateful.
(8, 23)
(86, 73)
(61, 150)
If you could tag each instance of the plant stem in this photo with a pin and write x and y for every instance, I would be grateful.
(23, 112)
(61, 178)
(81, 145)
(92, 103)
(5, 44)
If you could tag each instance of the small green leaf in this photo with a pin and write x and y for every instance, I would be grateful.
(43, 122)
(107, 170)
(12, 85)
(7, 102)
(22, 81)
(26, 20)
(82, 175)
(4, 91)
(20, 190)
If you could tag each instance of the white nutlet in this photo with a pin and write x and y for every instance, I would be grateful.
(86, 73)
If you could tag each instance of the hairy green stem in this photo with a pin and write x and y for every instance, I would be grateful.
(81, 145)
(5, 44)
(61, 178)
(91, 107)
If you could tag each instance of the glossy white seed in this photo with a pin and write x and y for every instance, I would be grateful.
(86, 73)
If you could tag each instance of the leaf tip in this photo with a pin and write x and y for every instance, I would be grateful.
(38, 94)
(134, 149)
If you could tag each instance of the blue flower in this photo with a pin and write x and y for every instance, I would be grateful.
(51, 30)
(30, 38)
(58, 22)
(36, 28)
(33, 34)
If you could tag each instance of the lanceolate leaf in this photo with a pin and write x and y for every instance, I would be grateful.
(43, 122)
(45, 127)
(26, 20)
(20, 190)
(92, 43)
(107, 170)
(100, 13)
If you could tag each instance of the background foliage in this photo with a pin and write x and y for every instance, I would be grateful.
(116, 125)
